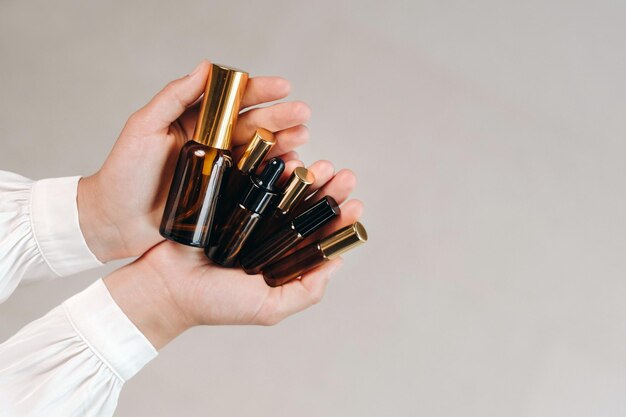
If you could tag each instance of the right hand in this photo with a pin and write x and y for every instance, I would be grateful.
(174, 287)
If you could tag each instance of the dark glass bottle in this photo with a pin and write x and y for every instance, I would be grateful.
(246, 215)
(295, 189)
(290, 235)
(204, 161)
(239, 178)
(192, 200)
(332, 246)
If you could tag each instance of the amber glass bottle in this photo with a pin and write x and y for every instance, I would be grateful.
(332, 246)
(256, 200)
(290, 235)
(204, 161)
(295, 189)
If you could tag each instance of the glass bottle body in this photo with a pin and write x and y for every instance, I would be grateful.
(267, 226)
(233, 236)
(192, 200)
(294, 265)
(270, 250)
(233, 185)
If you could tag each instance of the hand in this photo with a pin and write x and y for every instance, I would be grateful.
(173, 287)
(120, 206)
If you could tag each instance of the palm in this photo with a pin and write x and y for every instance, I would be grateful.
(213, 294)
(208, 294)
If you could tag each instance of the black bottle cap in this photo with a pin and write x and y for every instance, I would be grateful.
(261, 192)
(317, 216)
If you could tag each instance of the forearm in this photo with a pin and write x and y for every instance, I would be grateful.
(138, 291)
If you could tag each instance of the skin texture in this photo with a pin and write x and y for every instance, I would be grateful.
(172, 287)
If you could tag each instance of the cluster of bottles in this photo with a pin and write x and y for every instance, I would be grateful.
(241, 217)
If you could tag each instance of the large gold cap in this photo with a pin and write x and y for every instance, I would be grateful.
(343, 240)
(220, 106)
(256, 151)
(298, 183)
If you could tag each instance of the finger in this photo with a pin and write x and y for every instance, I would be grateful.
(290, 166)
(261, 90)
(323, 172)
(289, 139)
(339, 187)
(238, 151)
(302, 293)
(274, 118)
(171, 102)
(285, 142)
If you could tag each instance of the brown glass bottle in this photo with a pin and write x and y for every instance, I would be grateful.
(256, 200)
(332, 246)
(290, 235)
(239, 178)
(193, 195)
(204, 161)
(295, 189)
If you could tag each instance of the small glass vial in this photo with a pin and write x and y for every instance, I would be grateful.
(287, 237)
(239, 178)
(311, 256)
(256, 200)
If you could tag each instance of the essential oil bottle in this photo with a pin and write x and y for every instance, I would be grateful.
(204, 160)
(311, 256)
(294, 191)
(287, 237)
(239, 178)
(256, 200)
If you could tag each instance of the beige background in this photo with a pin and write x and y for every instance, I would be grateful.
(488, 138)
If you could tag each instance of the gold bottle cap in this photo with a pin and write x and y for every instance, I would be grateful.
(298, 183)
(220, 106)
(343, 240)
(256, 151)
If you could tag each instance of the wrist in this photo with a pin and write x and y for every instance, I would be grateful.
(100, 233)
(139, 292)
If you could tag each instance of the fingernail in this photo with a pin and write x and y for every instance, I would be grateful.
(196, 69)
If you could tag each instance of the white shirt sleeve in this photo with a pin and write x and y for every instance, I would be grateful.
(40, 235)
(73, 361)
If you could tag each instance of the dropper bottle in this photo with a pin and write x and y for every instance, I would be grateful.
(256, 200)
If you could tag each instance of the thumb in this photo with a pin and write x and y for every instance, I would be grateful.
(170, 103)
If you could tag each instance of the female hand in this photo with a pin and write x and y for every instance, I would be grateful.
(120, 206)
(173, 287)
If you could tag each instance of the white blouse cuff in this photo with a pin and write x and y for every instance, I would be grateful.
(109, 333)
(56, 229)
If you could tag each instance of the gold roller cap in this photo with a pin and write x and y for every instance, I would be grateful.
(298, 183)
(256, 151)
(343, 240)
(220, 106)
